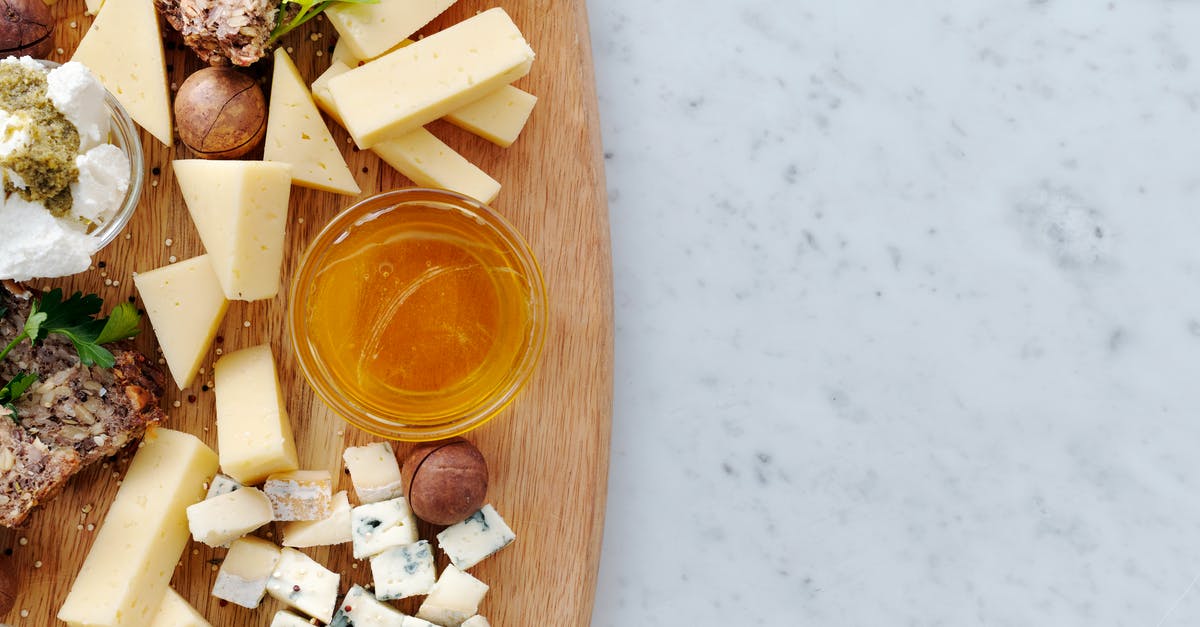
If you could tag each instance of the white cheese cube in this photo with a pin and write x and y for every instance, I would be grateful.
(454, 598)
(376, 527)
(413, 621)
(284, 618)
(476, 621)
(360, 609)
(300, 494)
(302, 583)
(175, 611)
(374, 472)
(471, 541)
(333, 530)
(223, 519)
(403, 571)
(243, 577)
(222, 484)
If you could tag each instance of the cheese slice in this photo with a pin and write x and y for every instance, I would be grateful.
(369, 30)
(225, 518)
(454, 598)
(497, 117)
(186, 305)
(320, 89)
(254, 434)
(429, 162)
(296, 134)
(420, 83)
(245, 571)
(175, 611)
(124, 49)
(132, 558)
(240, 210)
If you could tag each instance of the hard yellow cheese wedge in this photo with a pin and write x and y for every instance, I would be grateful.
(186, 305)
(417, 84)
(297, 135)
(124, 49)
(497, 117)
(254, 434)
(370, 29)
(240, 209)
(125, 574)
(175, 611)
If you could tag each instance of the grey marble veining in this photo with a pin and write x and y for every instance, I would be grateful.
(908, 312)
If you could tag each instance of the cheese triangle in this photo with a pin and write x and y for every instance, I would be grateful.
(240, 210)
(297, 134)
(186, 304)
(124, 49)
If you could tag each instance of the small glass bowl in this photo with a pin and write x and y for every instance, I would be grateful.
(425, 419)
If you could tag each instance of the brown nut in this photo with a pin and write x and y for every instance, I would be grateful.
(26, 28)
(445, 481)
(8, 587)
(220, 113)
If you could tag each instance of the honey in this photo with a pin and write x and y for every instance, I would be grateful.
(418, 312)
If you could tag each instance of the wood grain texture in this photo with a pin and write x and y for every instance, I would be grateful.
(548, 453)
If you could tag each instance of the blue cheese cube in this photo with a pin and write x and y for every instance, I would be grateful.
(360, 609)
(471, 541)
(476, 621)
(403, 571)
(284, 618)
(377, 527)
(454, 598)
(243, 577)
(302, 583)
(221, 484)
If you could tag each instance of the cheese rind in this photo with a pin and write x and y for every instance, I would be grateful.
(175, 611)
(359, 609)
(185, 304)
(369, 30)
(332, 530)
(300, 494)
(254, 434)
(376, 527)
(374, 472)
(420, 83)
(478, 537)
(497, 117)
(297, 135)
(454, 598)
(240, 210)
(124, 49)
(302, 583)
(429, 162)
(403, 571)
(225, 518)
(132, 558)
(245, 570)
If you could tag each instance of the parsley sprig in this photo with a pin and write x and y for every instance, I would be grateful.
(308, 9)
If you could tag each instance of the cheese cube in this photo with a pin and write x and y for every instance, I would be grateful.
(413, 621)
(302, 583)
(420, 83)
(476, 621)
(222, 484)
(300, 494)
(245, 571)
(369, 30)
(479, 536)
(124, 49)
(429, 162)
(240, 210)
(333, 530)
(254, 434)
(403, 571)
(454, 598)
(185, 304)
(497, 117)
(225, 518)
(376, 527)
(175, 611)
(374, 472)
(297, 135)
(359, 609)
(125, 575)
(284, 618)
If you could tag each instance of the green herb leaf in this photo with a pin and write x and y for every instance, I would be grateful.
(13, 390)
(122, 324)
(76, 319)
(307, 11)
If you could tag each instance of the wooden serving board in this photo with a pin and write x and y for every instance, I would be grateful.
(548, 453)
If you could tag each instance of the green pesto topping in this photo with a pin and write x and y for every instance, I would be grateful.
(47, 163)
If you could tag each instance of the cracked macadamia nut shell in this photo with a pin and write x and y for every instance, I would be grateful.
(445, 481)
(221, 113)
(26, 28)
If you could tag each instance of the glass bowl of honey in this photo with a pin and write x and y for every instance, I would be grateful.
(418, 314)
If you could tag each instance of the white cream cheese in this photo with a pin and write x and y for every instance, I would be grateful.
(42, 246)
(77, 93)
(103, 181)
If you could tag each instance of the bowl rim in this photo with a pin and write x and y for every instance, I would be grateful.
(377, 422)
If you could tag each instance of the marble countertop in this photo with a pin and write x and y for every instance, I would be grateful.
(908, 312)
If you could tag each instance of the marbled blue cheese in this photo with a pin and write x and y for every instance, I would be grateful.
(376, 527)
(471, 541)
(221, 484)
(302, 583)
(360, 609)
(476, 621)
(284, 618)
(245, 571)
(403, 571)
(454, 598)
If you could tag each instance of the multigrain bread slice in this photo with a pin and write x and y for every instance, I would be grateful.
(73, 416)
